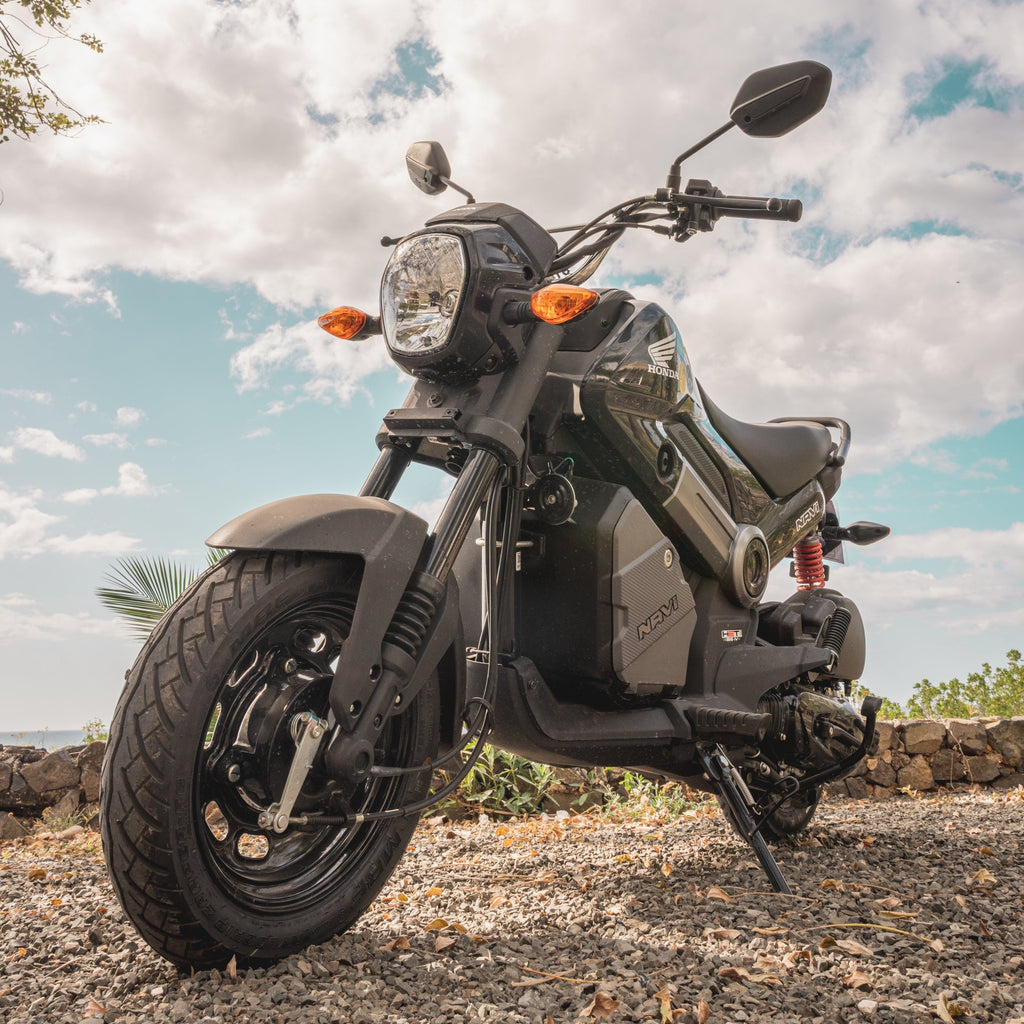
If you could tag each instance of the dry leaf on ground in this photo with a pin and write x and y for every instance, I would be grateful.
(603, 1005)
(854, 948)
(857, 979)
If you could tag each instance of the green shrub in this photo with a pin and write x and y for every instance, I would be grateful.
(500, 781)
(94, 730)
(998, 691)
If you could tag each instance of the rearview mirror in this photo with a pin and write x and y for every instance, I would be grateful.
(776, 100)
(428, 167)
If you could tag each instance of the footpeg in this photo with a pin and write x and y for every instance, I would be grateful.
(733, 790)
(719, 721)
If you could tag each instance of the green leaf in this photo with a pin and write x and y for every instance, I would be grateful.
(140, 590)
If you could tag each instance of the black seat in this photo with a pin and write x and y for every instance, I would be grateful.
(783, 456)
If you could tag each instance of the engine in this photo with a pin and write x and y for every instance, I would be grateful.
(810, 730)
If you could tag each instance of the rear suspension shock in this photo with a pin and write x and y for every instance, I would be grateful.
(810, 569)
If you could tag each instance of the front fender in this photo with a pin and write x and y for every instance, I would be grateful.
(389, 539)
(341, 524)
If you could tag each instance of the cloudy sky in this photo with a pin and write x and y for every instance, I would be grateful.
(160, 274)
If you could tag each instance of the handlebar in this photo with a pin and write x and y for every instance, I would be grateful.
(760, 208)
(695, 209)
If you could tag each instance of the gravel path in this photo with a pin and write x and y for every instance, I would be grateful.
(906, 910)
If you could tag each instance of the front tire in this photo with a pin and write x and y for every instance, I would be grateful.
(202, 739)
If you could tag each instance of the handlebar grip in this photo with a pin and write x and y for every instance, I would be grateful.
(766, 209)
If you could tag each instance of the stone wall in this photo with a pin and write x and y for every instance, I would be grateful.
(917, 755)
(53, 784)
(924, 755)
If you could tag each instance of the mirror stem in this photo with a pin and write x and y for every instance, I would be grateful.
(459, 189)
(674, 179)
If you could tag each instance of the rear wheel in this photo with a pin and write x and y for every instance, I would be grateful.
(202, 741)
(786, 821)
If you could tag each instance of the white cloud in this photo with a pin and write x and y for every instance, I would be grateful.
(285, 166)
(45, 442)
(108, 440)
(132, 482)
(26, 530)
(6, 454)
(910, 340)
(129, 417)
(333, 369)
(111, 543)
(21, 619)
(24, 394)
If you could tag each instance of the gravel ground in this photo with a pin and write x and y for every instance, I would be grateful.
(906, 910)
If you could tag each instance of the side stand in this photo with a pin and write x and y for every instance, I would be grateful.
(721, 771)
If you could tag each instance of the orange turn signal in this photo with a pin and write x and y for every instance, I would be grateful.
(560, 303)
(343, 322)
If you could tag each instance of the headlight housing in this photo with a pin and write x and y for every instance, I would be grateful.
(445, 287)
(421, 292)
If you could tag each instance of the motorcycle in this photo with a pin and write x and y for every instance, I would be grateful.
(591, 594)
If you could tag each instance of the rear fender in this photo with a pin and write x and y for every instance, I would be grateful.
(390, 540)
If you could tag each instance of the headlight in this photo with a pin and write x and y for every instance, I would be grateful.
(421, 291)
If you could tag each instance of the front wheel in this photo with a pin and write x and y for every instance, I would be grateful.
(202, 741)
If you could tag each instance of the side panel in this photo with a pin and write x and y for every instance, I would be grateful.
(652, 608)
(602, 599)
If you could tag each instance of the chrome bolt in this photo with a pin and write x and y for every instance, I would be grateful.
(290, 666)
(234, 773)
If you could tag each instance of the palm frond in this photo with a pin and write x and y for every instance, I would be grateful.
(140, 590)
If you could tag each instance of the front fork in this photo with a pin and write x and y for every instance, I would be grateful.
(365, 705)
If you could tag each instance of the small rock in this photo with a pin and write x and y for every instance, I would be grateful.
(923, 737)
(65, 807)
(54, 771)
(917, 775)
(1007, 736)
(969, 736)
(948, 766)
(867, 1007)
(886, 733)
(982, 769)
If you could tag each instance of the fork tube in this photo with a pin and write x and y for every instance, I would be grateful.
(386, 472)
(456, 519)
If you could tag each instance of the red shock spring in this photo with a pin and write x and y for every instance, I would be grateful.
(810, 569)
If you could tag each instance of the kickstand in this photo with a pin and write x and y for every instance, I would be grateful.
(721, 771)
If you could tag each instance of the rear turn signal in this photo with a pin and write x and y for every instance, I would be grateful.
(344, 322)
(560, 303)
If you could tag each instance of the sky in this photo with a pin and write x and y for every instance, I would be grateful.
(160, 276)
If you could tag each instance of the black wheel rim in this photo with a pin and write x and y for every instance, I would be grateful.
(246, 751)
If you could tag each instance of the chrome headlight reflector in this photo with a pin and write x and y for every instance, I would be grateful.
(421, 291)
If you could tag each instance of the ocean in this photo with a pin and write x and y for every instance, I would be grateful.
(49, 739)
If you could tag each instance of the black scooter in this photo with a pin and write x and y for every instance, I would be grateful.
(591, 593)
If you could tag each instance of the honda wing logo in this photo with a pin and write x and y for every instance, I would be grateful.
(661, 353)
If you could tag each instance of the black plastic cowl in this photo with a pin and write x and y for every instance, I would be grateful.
(538, 245)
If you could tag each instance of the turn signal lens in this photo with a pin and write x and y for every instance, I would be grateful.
(560, 303)
(343, 322)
